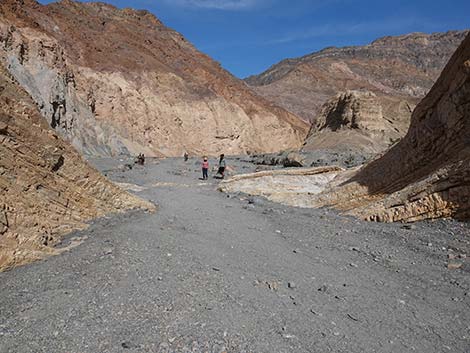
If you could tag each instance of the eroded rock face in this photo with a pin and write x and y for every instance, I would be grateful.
(358, 121)
(427, 174)
(403, 68)
(46, 188)
(118, 81)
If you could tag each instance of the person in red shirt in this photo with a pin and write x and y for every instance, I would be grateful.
(205, 168)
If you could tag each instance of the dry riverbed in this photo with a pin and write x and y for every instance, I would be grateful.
(215, 272)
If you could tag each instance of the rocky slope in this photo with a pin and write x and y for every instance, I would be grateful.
(359, 121)
(427, 174)
(404, 67)
(46, 188)
(117, 81)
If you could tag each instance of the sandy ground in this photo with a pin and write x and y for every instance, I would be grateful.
(212, 272)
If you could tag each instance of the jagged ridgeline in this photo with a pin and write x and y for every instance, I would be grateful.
(118, 81)
(398, 69)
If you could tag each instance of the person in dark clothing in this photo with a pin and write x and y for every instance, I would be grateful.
(222, 166)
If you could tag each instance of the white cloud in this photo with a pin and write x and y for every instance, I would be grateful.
(218, 4)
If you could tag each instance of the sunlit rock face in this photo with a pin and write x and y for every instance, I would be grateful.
(118, 81)
(359, 121)
(427, 174)
(47, 189)
(424, 176)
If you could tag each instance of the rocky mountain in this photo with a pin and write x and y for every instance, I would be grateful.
(403, 67)
(360, 122)
(47, 189)
(118, 81)
(427, 174)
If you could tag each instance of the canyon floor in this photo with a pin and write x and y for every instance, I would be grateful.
(211, 272)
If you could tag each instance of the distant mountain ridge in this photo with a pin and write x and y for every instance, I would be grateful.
(400, 66)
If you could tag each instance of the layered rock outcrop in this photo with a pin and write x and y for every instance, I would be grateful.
(424, 176)
(46, 188)
(427, 174)
(118, 81)
(359, 121)
(403, 68)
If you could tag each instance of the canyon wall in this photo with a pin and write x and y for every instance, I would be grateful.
(46, 188)
(117, 81)
(427, 174)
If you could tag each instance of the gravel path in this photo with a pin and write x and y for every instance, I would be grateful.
(211, 272)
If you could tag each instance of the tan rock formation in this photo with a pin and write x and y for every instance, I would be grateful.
(46, 188)
(427, 174)
(360, 121)
(116, 81)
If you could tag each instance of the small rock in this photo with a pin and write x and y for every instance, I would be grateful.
(272, 285)
(454, 265)
(409, 226)
(323, 288)
(353, 265)
(353, 248)
(291, 285)
(353, 317)
(126, 345)
(278, 231)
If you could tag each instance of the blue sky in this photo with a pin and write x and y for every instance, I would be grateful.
(248, 36)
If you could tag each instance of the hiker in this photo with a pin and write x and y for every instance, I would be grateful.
(186, 156)
(222, 165)
(205, 168)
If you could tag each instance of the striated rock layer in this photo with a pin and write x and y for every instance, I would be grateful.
(118, 81)
(46, 188)
(427, 174)
(358, 121)
(402, 68)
